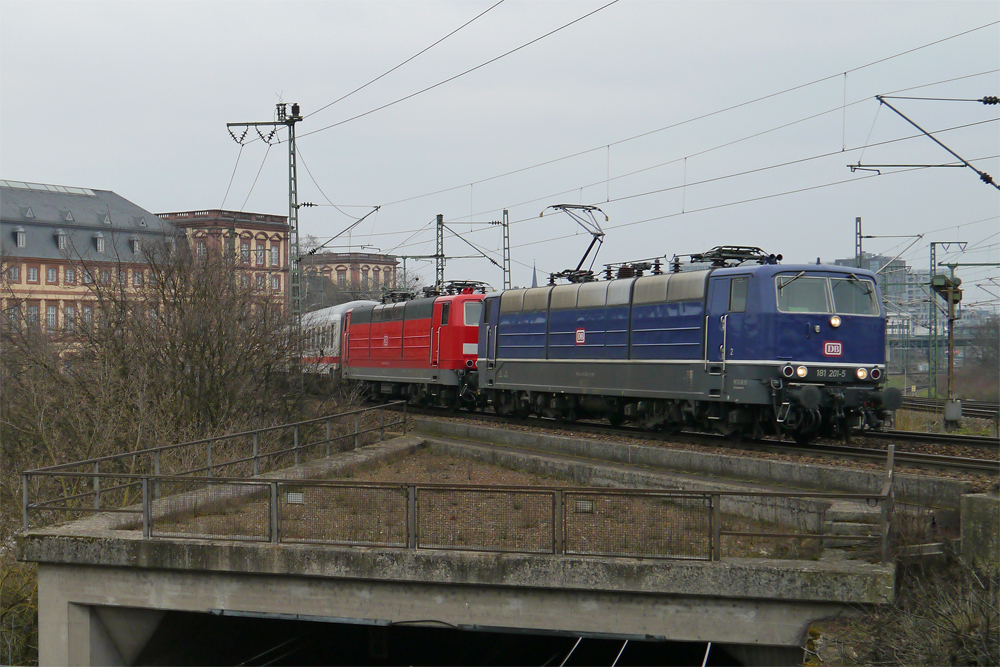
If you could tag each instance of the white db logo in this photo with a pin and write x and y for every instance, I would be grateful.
(581, 336)
(833, 348)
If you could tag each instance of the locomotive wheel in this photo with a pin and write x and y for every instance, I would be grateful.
(616, 419)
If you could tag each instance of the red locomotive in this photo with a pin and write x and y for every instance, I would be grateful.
(422, 350)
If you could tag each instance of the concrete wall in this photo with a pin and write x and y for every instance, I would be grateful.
(925, 490)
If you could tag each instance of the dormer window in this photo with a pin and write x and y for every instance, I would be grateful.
(135, 244)
(61, 239)
(142, 222)
(107, 219)
(20, 237)
(99, 240)
(27, 212)
(68, 216)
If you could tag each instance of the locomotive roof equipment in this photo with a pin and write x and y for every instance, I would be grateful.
(722, 256)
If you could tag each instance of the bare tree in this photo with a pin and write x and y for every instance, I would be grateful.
(183, 348)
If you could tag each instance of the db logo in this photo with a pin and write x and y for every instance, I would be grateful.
(833, 348)
(581, 336)
(385, 341)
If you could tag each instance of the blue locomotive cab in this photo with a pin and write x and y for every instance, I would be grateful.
(814, 333)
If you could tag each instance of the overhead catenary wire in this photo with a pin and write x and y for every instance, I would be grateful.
(461, 74)
(254, 184)
(700, 117)
(230, 186)
(416, 55)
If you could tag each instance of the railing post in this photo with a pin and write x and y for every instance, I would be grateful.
(146, 513)
(381, 424)
(887, 500)
(404, 418)
(411, 516)
(97, 485)
(295, 443)
(715, 525)
(156, 472)
(24, 501)
(256, 463)
(273, 513)
(208, 451)
(558, 523)
(328, 438)
(357, 431)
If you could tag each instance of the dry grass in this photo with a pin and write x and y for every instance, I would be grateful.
(371, 509)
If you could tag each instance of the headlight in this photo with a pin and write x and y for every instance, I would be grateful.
(835, 321)
(862, 373)
(788, 371)
(876, 374)
(801, 371)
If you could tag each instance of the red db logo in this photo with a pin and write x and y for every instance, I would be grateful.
(581, 336)
(833, 348)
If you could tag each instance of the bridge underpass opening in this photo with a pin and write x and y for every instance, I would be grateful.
(189, 638)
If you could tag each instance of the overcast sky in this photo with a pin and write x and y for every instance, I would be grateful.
(134, 97)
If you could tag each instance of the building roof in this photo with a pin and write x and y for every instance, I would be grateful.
(42, 211)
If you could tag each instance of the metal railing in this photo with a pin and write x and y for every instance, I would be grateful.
(594, 521)
(113, 483)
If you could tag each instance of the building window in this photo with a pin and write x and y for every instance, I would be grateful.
(200, 249)
(122, 277)
(88, 277)
(51, 317)
(88, 315)
(135, 246)
(69, 318)
(137, 278)
(275, 255)
(61, 239)
(276, 282)
(52, 275)
(388, 278)
(20, 237)
(99, 239)
(14, 315)
(260, 254)
(105, 276)
(364, 278)
(69, 276)
(245, 280)
(14, 274)
(341, 279)
(32, 274)
(260, 281)
(33, 314)
(245, 252)
(375, 279)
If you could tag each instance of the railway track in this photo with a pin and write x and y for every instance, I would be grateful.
(973, 409)
(919, 460)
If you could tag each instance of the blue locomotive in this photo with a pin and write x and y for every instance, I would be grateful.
(739, 348)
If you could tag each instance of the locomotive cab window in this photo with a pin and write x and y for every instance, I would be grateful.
(445, 310)
(854, 296)
(738, 295)
(798, 294)
(473, 311)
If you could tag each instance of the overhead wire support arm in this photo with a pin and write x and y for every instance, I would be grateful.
(983, 176)
(343, 231)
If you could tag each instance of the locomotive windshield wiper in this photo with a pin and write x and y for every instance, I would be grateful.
(786, 284)
(866, 283)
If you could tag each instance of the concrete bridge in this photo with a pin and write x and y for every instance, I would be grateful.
(105, 587)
